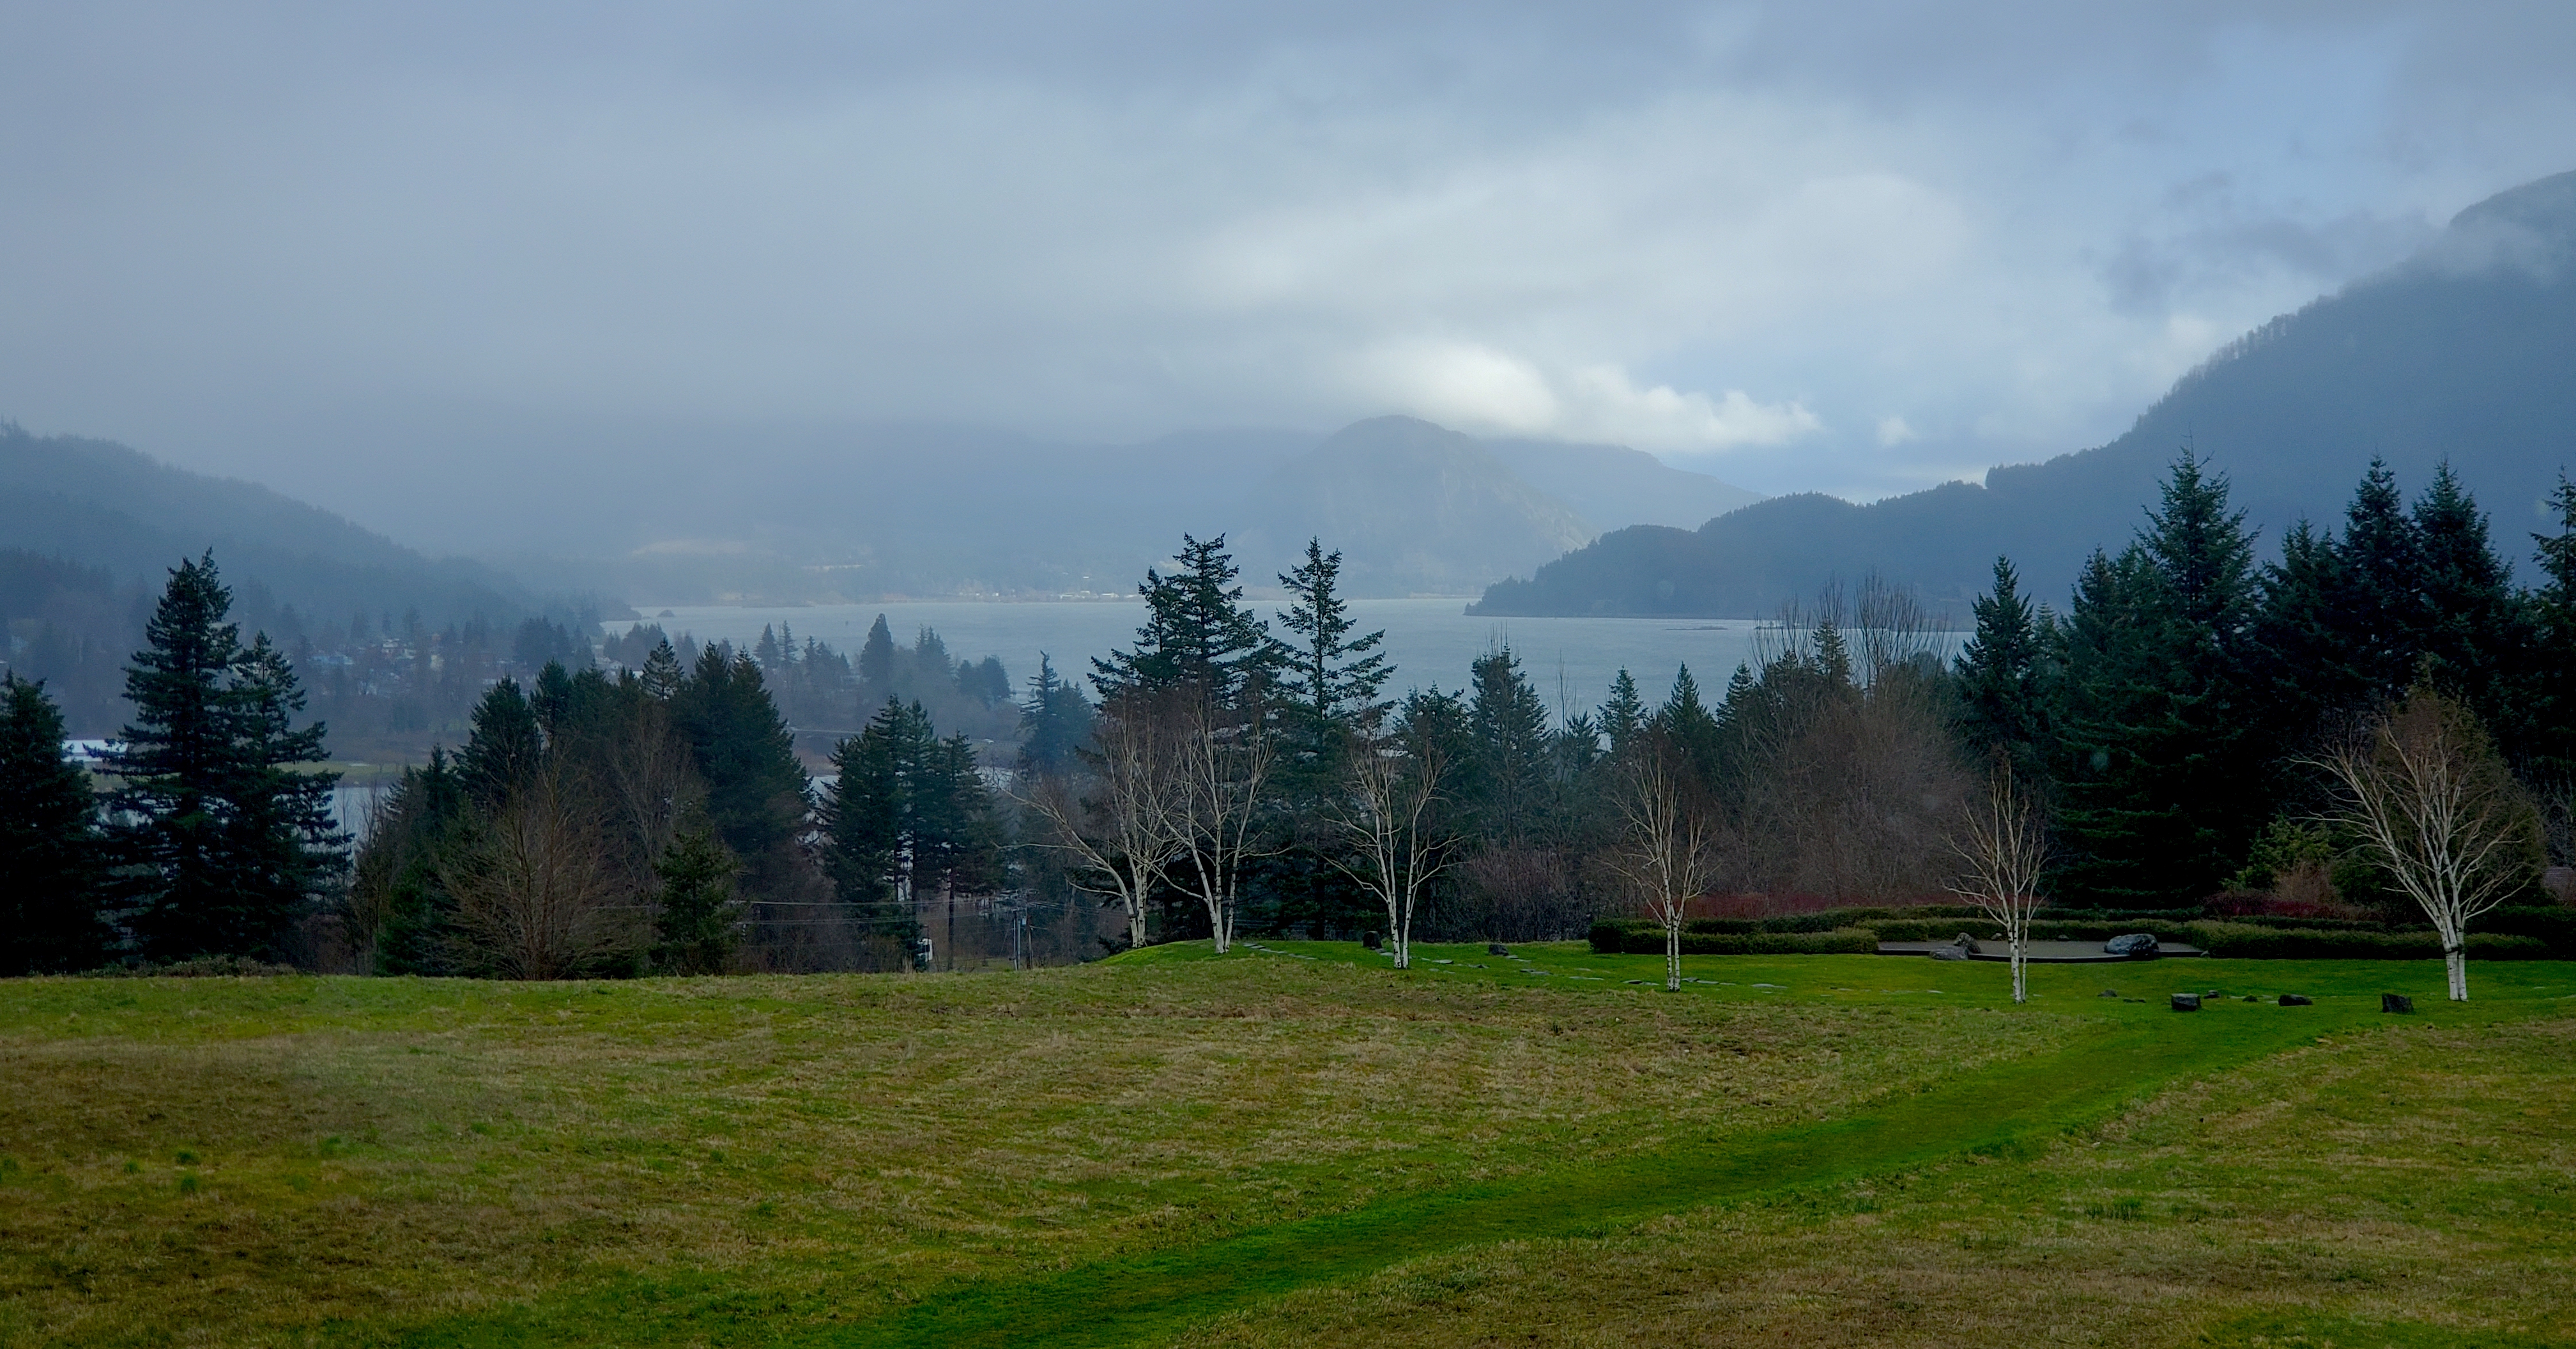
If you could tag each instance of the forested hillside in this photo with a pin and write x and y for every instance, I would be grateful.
(394, 645)
(2460, 355)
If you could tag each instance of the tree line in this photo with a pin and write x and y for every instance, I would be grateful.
(2181, 735)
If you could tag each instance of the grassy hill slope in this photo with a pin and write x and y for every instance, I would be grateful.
(1291, 1145)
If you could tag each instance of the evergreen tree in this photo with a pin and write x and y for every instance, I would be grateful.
(745, 753)
(1055, 723)
(2163, 759)
(2002, 702)
(1506, 768)
(663, 676)
(876, 661)
(2477, 638)
(1623, 714)
(1197, 631)
(407, 902)
(1331, 678)
(2553, 615)
(506, 748)
(552, 698)
(908, 819)
(224, 841)
(52, 866)
(697, 921)
(871, 817)
(1689, 725)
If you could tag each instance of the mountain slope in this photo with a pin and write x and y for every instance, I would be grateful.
(1413, 507)
(2461, 353)
(1614, 486)
(103, 505)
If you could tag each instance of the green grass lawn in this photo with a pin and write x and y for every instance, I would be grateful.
(1295, 1144)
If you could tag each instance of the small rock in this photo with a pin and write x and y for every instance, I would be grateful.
(1497, 949)
(2110, 993)
(2186, 1002)
(1967, 943)
(2131, 944)
(1949, 953)
(2396, 1002)
(2251, 997)
(1369, 940)
(2297, 1000)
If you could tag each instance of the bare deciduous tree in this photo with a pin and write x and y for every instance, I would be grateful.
(2002, 844)
(2429, 795)
(1389, 810)
(1116, 821)
(1224, 755)
(1668, 839)
(536, 897)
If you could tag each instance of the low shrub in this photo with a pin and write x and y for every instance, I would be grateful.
(200, 967)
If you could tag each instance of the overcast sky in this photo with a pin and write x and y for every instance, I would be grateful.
(1856, 247)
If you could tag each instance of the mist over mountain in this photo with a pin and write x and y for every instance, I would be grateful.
(1412, 507)
(114, 510)
(2460, 353)
(683, 513)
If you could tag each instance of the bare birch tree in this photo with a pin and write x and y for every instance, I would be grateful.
(1389, 810)
(1668, 839)
(1225, 760)
(1224, 755)
(1116, 821)
(536, 897)
(2002, 844)
(2429, 795)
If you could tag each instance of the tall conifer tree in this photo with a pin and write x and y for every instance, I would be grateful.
(52, 863)
(1330, 676)
(2002, 698)
(1197, 630)
(2163, 758)
(224, 840)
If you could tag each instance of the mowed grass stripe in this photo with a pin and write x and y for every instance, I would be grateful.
(1125, 1302)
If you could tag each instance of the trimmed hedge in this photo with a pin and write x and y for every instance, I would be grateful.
(2243, 941)
(1636, 936)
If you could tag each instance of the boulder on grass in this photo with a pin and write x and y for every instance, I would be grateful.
(2396, 1002)
(1949, 953)
(2135, 945)
(1369, 940)
(2297, 1000)
(2186, 1002)
(1966, 943)
(1497, 949)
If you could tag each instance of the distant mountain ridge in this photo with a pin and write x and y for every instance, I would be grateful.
(1413, 508)
(2461, 353)
(104, 505)
(683, 514)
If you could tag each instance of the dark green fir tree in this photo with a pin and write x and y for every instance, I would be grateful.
(1055, 723)
(1197, 631)
(225, 840)
(52, 859)
(697, 922)
(2002, 697)
(2163, 764)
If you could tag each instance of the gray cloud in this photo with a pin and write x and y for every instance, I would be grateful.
(1751, 237)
